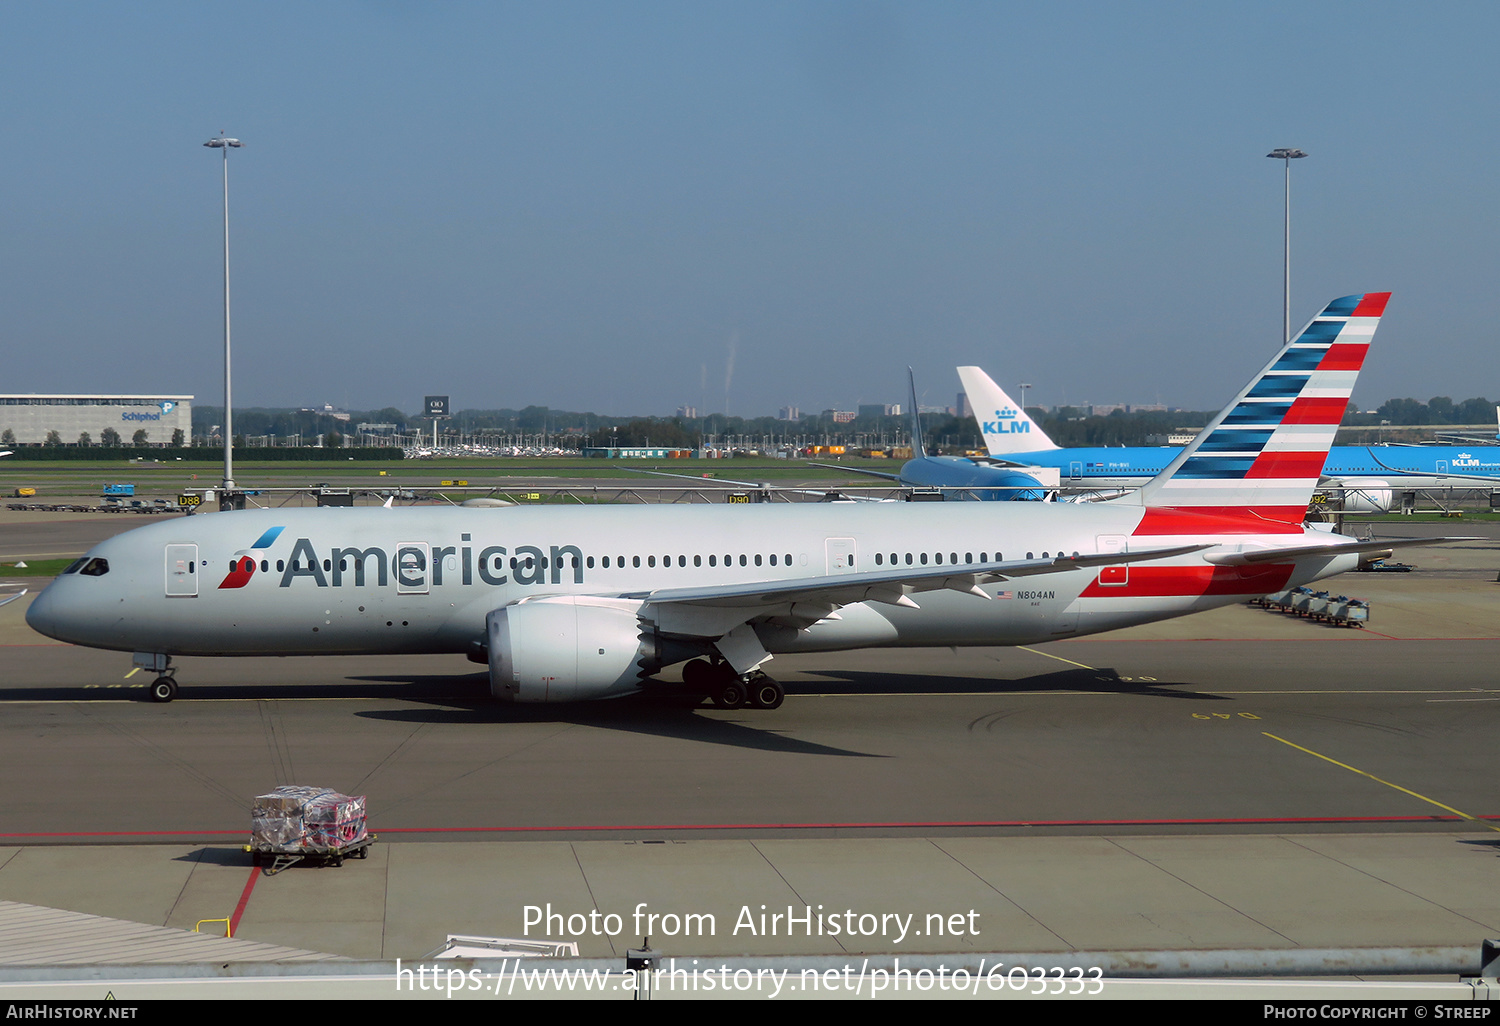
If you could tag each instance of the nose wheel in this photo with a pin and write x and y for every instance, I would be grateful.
(164, 687)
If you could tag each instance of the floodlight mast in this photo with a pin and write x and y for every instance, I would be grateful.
(220, 142)
(1286, 155)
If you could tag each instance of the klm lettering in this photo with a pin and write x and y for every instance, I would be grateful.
(1005, 423)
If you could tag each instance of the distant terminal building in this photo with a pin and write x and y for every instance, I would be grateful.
(789, 413)
(880, 409)
(31, 418)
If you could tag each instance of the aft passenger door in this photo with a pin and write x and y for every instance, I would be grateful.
(1113, 575)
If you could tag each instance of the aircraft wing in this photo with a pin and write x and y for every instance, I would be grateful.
(7, 595)
(891, 585)
(725, 612)
(1473, 478)
(762, 484)
(856, 470)
(1273, 555)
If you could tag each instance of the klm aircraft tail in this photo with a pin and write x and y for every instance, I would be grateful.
(1261, 457)
(1006, 428)
(918, 448)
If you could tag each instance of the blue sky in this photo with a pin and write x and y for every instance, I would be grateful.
(625, 208)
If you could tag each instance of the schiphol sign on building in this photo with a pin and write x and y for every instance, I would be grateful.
(31, 418)
(166, 407)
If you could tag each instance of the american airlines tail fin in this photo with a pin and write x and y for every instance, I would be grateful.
(918, 449)
(1006, 428)
(1263, 454)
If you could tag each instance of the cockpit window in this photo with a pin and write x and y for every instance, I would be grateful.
(95, 567)
(73, 566)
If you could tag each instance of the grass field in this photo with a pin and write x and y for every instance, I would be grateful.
(77, 481)
(34, 568)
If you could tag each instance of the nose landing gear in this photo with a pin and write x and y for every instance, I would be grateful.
(164, 687)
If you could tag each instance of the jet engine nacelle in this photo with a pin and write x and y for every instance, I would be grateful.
(1367, 495)
(567, 649)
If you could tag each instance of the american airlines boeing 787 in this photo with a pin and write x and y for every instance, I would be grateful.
(591, 602)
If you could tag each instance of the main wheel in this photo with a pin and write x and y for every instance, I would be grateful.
(766, 693)
(729, 695)
(698, 674)
(163, 689)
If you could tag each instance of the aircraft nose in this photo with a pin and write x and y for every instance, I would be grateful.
(41, 615)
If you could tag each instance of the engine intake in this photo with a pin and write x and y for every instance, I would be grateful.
(567, 649)
(1367, 495)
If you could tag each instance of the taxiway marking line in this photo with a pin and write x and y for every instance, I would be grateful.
(1059, 658)
(1387, 783)
(594, 828)
(239, 910)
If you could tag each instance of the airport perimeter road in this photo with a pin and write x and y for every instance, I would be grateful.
(41, 535)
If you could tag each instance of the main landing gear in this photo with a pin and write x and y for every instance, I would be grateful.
(730, 690)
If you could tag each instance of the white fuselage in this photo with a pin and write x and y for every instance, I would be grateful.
(422, 579)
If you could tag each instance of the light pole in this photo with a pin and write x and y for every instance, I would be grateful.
(225, 144)
(1287, 156)
(1024, 386)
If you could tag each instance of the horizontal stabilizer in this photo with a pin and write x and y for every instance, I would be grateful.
(1254, 557)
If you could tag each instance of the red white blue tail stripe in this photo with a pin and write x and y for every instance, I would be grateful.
(1261, 458)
